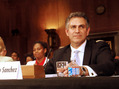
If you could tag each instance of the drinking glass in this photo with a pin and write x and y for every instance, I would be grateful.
(60, 67)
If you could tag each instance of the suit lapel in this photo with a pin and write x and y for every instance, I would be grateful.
(67, 54)
(87, 54)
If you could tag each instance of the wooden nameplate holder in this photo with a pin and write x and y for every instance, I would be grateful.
(32, 71)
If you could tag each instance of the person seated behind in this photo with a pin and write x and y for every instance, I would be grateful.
(15, 56)
(40, 53)
(94, 57)
(29, 57)
(116, 61)
(3, 52)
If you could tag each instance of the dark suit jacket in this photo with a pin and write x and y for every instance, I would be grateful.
(97, 55)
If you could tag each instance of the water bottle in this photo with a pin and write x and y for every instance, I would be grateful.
(73, 69)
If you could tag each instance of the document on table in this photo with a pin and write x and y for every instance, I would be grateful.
(50, 75)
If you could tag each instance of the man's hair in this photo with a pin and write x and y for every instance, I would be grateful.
(2, 45)
(76, 14)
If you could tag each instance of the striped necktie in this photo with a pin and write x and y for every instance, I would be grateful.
(76, 56)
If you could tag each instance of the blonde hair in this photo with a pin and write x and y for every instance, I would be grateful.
(2, 45)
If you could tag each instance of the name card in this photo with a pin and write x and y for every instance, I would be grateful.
(10, 70)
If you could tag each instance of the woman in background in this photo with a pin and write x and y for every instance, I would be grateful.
(15, 56)
(29, 57)
(40, 53)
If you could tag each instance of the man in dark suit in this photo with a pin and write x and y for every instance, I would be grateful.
(95, 57)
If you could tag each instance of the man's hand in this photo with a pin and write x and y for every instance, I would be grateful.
(66, 71)
(83, 71)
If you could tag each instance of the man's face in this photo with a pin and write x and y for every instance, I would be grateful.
(3, 52)
(77, 30)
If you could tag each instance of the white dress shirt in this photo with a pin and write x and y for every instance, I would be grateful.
(81, 50)
(5, 59)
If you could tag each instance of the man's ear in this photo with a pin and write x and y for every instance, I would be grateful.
(88, 31)
(66, 31)
(4, 52)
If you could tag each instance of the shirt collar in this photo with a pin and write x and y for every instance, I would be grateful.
(81, 48)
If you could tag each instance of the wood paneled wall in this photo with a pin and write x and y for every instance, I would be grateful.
(32, 17)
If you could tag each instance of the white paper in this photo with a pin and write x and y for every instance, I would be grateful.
(10, 70)
(50, 75)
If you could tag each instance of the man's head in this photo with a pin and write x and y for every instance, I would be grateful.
(77, 28)
(2, 48)
(77, 14)
(15, 56)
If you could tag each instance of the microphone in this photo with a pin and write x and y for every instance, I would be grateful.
(48, 54)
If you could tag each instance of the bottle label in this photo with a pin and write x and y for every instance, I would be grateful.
(69, 71)
(73, 71)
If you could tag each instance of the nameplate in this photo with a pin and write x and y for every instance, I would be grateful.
(10, 70)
